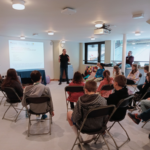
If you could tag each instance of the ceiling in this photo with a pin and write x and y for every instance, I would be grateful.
(41, 16)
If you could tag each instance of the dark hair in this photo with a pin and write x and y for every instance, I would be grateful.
(146, 68)
(121, 80)
(106, 75)
(117, 70)
(148, 75)
(102, 65)
(10, 78)
(136, 69)
(91, 86)
(35, 76)
(77, 78)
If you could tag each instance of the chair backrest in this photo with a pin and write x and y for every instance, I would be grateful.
(125, 102)
(37, 100)
(11, 94)
(74, 89)
(107, 87)
(148, 90)
(101, 111)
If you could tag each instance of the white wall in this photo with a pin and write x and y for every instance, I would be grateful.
(72, 50)
(4, 55)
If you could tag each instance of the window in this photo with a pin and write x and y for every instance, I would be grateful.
(140, 50)
(94, 52)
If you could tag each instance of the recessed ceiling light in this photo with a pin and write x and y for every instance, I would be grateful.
(133, 43)
(63, 41)
(147, 45)
(18, 4)
(98, 24)
(92, 38)
(50, 33)
(137, 33)
(22, 38)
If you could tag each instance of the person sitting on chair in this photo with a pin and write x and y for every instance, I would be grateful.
(121, 92)
(88, 101)
(74, 96)
(133, 76)
(37, 90)
(105, 81)
(12, 81)
(116, 71)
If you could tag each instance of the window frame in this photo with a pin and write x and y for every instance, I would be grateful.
(99, 51)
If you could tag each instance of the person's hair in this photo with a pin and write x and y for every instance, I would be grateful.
(91, 86)
(10, 78)
(63, 49)
(77, 78)
(146, 68)
(121, 80)
(102, 65)
(130, 52)
(117, 70)
(106, 75)
(148, 75)
(136, 69)
(35, 76)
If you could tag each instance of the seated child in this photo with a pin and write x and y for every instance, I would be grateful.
(74, 96)
(37, 90)
(87, 101)
(105, 81)
(116, 71)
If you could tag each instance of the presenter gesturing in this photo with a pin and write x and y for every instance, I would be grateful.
(64, 59)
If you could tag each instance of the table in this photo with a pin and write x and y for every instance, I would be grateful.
(26, 74)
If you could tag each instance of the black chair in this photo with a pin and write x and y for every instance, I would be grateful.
(101, 111)
(39, 101)
(107, 87)
(121, 105)
(1, 81)
(72, 89)
(11, 98)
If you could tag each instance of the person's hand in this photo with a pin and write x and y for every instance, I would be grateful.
(52, 113)
(143, 86)
(148, 98)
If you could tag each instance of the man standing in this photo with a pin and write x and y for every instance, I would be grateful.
(64, 59)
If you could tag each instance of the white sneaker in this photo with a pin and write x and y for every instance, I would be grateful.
(38, 117)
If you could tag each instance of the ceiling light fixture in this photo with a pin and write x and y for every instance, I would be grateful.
(63, 41)
(133, 43)
(138, 16)
(92, 38)
(18, 4)
(137, 33)
(98, 24)
(50, 33)
(147, 45)
(22, 38)
(35, 34)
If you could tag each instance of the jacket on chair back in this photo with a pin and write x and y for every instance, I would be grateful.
(85, 103)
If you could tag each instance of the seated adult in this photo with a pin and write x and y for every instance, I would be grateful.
(105, 81)
(37, 90)
(133, 76)
(129, 60)
(116, 71)
(121, 92)
(86, 102)
(74, 96)
(12, 81)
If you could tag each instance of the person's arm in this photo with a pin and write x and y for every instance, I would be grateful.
(59, 59)
(100, 86)
(68, 59)
(77, 114)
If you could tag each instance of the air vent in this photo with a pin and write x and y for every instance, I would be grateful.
(68, 11)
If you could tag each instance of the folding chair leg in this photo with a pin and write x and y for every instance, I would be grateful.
(145, 123)
(6, 111)
(97, 138)
(74, 143)
(105, 142)
(50, 122)
(18, 114)
(14, 108)
(2, 100)
(111, 126)
(29, 124)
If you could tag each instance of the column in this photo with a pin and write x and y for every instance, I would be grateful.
(124, 53)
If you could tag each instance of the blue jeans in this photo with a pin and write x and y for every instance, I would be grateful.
(127, 66)
(145, 115)
(66, 73)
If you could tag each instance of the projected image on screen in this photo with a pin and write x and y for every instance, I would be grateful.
(26, 55)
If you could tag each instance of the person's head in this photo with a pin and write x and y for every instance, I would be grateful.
(90, 87)
(130, 53)
(146, 69)
(77, 78)
(10, 77)
(106, 75)
(35, 76)
(148, 77)
(64, 51)
(100, 65)
(134, 68)
(116, 70)
(120, 82)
